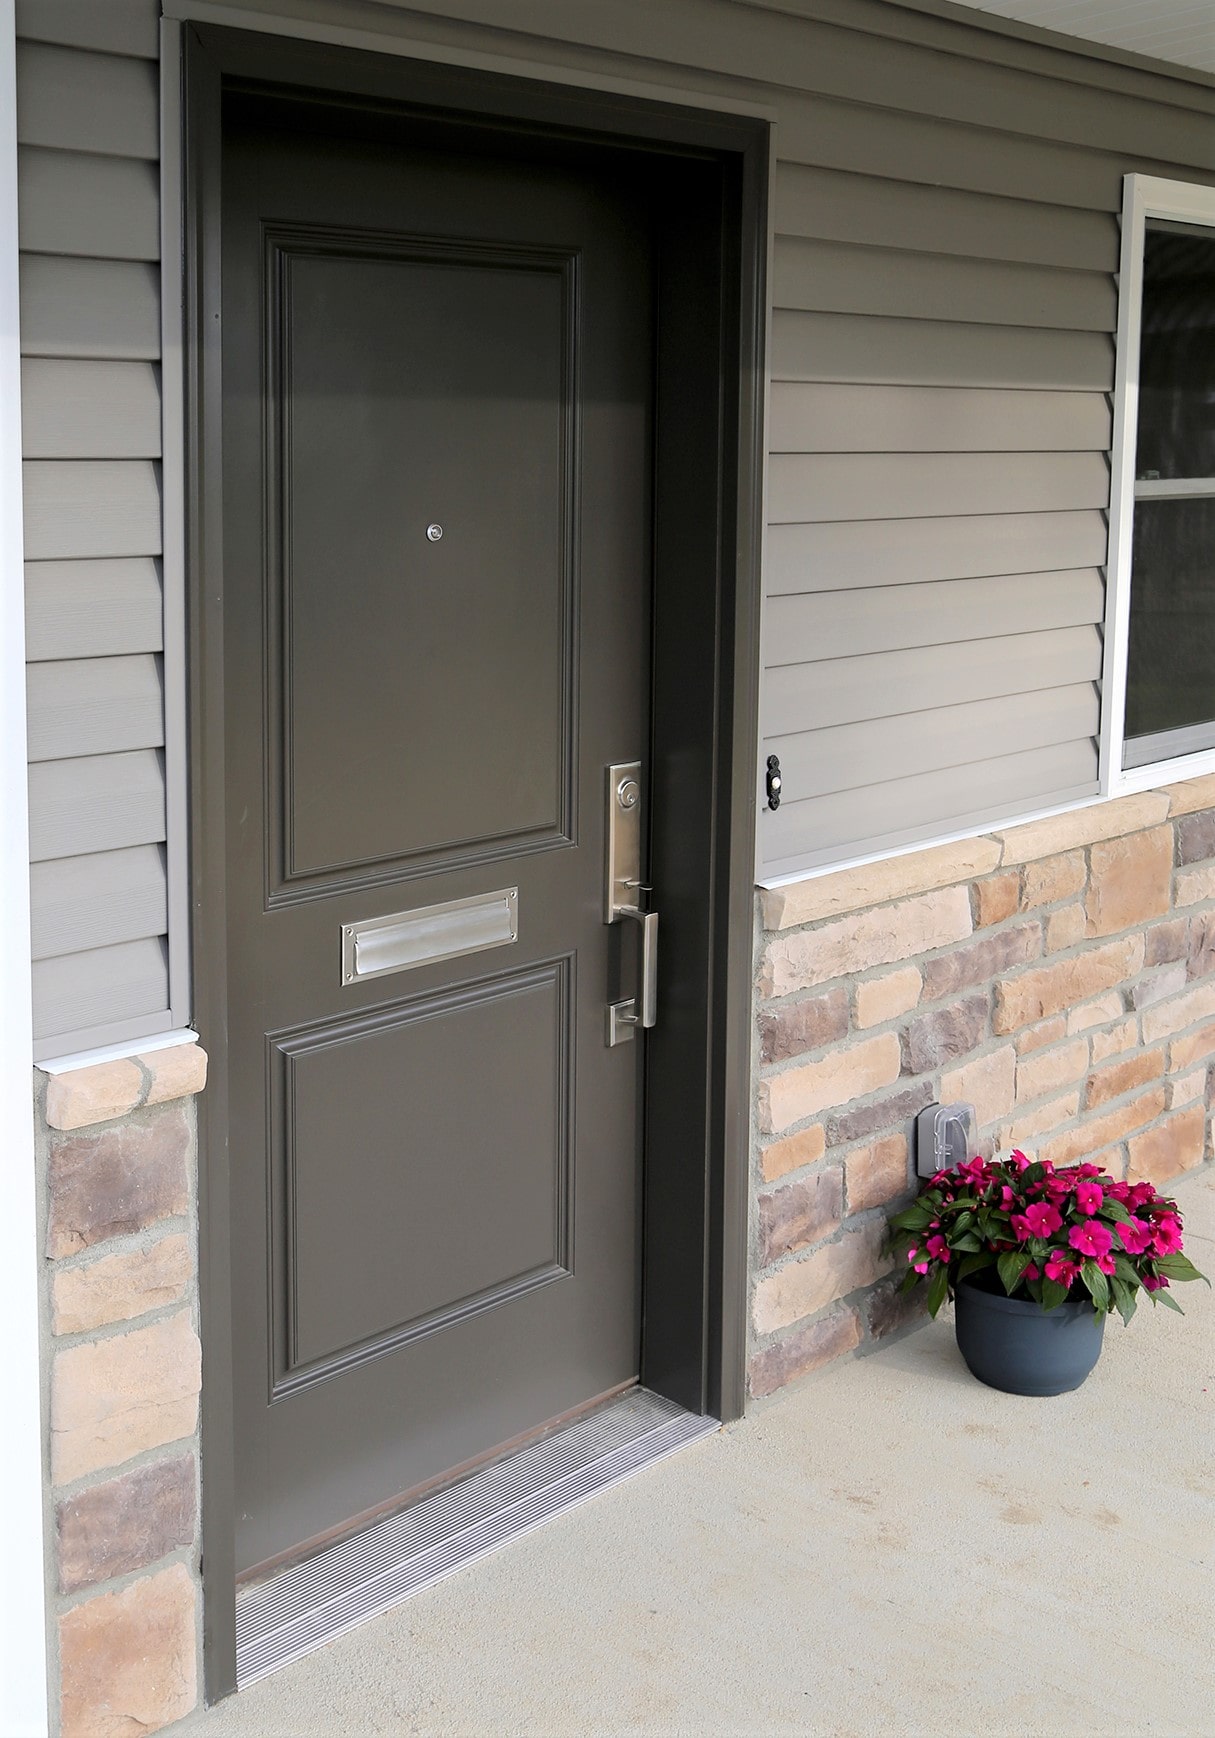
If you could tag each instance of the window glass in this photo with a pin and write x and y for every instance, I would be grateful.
(1177, 354)
(1170, 678)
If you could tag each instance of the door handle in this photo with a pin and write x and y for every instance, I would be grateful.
(648, 920)
(622, 883)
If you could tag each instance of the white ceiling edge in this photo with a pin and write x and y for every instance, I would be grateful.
(1178, 32)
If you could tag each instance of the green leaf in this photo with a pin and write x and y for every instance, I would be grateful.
(1125, 1269)
(1010, 1267)
(1032, 1174)
(1124, 1298)
(1178, 1266)
(966, 1245)
(1034, 1288)
(1096, 1283)
(910, 1278)
(973, 1263)
(937, 1289)
(913, 1218)
(1169, 1302)
(1053, 1294)
(1112, 1209)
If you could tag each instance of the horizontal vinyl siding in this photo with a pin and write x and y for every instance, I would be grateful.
(87, 125)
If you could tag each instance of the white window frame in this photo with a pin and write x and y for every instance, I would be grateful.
(1144, 196)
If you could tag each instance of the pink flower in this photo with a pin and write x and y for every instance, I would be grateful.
(1089, 1197)
(1106, 1264)
(1088, 1170)
(1031, 1272)
(1043, 1219)
(1136, 1236)
(1090, 1239)
(1167, 1234)
(1061, 1269)
(1006, 1197)
(938, 1248)
(1155, 1282)
(1139, 1194)
(920, 1266)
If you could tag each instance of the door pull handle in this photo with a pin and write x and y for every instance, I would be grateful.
(648, 920)
(622, 885)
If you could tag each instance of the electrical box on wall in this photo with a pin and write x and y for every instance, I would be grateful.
(942, 1137)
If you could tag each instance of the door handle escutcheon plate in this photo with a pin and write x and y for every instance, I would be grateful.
(622, 885)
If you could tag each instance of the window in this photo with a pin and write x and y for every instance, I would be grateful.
(1160, 668)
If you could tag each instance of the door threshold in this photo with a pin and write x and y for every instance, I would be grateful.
(308, 1604)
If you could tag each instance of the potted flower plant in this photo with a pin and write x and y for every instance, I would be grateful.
(1036, 1258)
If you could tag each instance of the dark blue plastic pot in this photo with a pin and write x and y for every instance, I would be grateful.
(1015, 1345)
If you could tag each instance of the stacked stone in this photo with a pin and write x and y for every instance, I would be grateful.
(1059, 976)
(118, 1141)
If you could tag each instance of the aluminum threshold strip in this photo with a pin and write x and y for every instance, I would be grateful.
(301, 1608)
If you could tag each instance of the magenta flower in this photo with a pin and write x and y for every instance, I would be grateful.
(1061, 1268)
(1167, 1234)
(1107, 1264)
(1089, 1197)
(1031, 1272)
(1139, 1194)
(1155, 1282)
(1136, 1236)
(1090, 1239)
(1039, 1219)
(938, 1248)
(920, 1266)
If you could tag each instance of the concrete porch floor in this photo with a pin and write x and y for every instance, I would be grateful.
(889, 1549)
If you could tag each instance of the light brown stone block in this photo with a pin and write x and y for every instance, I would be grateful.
(128, 1659)
(1096, 1013)
(1176, 1145)
(118, 1287)
(1132, 881)
(885, 998)
(1122, 1037)
(839, 1077)
(1182, 1011)
(1038, 1037)
(1080, 827)
(109, 1182)
(1028, 1127)
(1118, 1078)
(179, 1071)
(798, 1214)
(804, 1148)
(1185, 1052)
(114, 1398)
(868, 938)
(877, 1173)
(1188, 1087)
(990, 956)
(1045, 990)
(1065, 927)
(125, 1524)
(804, 1287)
(83, 1096)
(1050, 1070)
(1195, 885)
(1047, 880)
(989, 1083)
(1194, 794)
(997, 898)
(1104, 1131)
(804, 1350)
(875, 883)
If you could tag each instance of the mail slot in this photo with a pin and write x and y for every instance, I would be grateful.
(428, 934)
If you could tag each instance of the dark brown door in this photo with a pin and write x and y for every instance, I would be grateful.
(437, 368)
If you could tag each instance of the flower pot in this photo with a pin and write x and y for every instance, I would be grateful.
(1017, 1346)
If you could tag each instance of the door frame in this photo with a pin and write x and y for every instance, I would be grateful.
(708, 522)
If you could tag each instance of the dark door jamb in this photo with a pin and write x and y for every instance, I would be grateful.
(708, 492)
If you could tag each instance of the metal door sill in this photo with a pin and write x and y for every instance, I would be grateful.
(308, 1604)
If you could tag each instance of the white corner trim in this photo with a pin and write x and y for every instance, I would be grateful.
(117, 1052)
(23, 1685)
(1143, 196)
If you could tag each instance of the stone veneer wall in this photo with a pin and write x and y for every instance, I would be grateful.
(117, 1146)
(1059, 975)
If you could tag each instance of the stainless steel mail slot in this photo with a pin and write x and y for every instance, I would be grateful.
(432, 932)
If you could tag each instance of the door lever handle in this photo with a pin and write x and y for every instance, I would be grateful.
(648, 1014)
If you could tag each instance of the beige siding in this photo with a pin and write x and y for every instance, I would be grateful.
(87, 124)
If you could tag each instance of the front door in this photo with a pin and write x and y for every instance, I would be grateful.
(437, 363)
